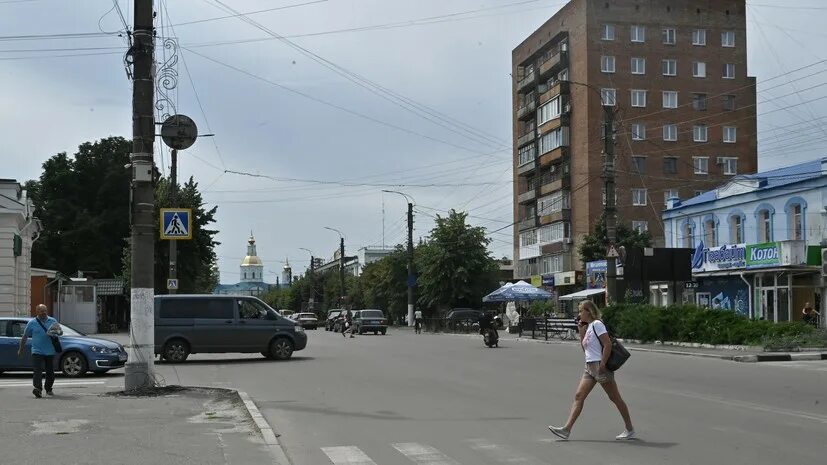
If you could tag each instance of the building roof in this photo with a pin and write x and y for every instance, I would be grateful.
(761, 182)
(251, 260)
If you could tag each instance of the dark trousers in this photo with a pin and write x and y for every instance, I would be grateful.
(40, 363)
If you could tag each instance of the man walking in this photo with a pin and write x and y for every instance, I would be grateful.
(41, 329)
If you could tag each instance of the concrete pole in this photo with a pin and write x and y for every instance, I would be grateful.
(342, 268)
(609, 209)
(411, 279)
(173, 202)
(139, 370)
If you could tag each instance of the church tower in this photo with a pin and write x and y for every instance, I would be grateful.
(252, 269)
(286, 274)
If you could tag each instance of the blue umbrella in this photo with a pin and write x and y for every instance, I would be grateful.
(519, 292)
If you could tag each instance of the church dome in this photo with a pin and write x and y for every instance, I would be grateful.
(251, 260)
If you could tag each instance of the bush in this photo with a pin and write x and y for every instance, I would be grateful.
(689, 323)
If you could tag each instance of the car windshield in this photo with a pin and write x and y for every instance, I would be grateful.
(306, 315)
(67, 331)
(372, 314)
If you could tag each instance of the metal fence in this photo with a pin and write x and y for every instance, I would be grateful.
(548, 328)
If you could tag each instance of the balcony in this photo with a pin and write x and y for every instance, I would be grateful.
(555, 88)
(529, 251)
(552, 63)
(526, 168)
(552, 156)
(528, 223)
(562, 215)
(525, 82)
(527, 110)
(526, 138)
(527, 196)
(551, 185)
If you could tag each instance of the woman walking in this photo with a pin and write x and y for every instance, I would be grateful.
(597, 346)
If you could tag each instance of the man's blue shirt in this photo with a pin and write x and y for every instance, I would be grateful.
(41, 343)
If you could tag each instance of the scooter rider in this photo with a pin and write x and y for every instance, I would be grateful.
(487, 322)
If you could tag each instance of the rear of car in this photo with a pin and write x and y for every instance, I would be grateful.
(462, 318)
(307, 320)
(370, 320)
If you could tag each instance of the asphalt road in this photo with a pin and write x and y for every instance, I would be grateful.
(442, 399)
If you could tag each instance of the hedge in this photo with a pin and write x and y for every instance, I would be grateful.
(689, 323)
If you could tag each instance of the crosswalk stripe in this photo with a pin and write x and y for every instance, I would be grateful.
(501, 453)
(347, 455)
(423, 454)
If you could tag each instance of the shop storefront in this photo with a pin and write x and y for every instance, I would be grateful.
(771, 281)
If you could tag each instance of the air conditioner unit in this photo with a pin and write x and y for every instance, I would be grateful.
(567, 108)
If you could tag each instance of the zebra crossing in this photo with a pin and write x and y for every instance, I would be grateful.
(424, 454)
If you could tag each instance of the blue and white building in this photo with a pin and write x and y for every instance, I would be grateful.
(758, 241)
(252, 275)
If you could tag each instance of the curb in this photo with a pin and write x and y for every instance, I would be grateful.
(780, 357)
(267, 433)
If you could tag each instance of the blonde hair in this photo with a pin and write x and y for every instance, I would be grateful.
(590, 307)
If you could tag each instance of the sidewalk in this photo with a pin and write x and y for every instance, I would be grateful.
(88, 425)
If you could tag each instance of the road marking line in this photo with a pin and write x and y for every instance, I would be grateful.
(423, 454)
(501, 453)
(57, 383)
(347, 455)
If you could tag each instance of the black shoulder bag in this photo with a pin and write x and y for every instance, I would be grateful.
(619, 353)
(55, 340)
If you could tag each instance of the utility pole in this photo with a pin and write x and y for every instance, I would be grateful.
(609, 208)
(342, 268)
(411, 279)
(173, 201)
(139, 371)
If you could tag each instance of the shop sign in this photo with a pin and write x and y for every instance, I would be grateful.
(536, 280)
(596, 274)
(725, 257)
(761, 255)
(548, 280)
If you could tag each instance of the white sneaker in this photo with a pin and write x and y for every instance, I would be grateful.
(626, 434)
(560, 432)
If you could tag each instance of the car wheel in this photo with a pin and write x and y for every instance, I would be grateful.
(384, 331)
(73, 364)
(281, 348)
(176, 351)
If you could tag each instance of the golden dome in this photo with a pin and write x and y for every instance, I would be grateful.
(251, 261)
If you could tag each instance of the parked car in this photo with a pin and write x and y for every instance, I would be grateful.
(459, 317)
(191, 324)
(80, 354)
(332, 317)
(307, 320)
(286, 312)
(370, 320)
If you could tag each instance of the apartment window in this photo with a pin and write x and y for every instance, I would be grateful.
(638, 65)
(668, 35)
(729, 71)
(729, 165)
(670, 165)
(736, 229)
(639, 98)
(764, 226)
(639, 164)
(710, 233)
(607, 32)
(701, 165)
(728, 39)
(670, 194)
(549, 111)
(638, 131)
(700, 133)
(551, 264)
(555, 232)
(528, 238)
(553, 140)
(527, 154)
(699, 37)
(670, 67)
(607, 64)
(670, 132)
(730, 134)
(638, 34)
(553, 203)
(796, 225)
(640, 226)
(699, 102)
(729, 102)
(699, 69)
(609, 97)
(670, 99)
(639, 197)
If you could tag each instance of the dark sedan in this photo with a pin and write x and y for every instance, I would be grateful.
(80, 354)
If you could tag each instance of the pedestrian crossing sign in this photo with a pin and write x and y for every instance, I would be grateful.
(176, 223)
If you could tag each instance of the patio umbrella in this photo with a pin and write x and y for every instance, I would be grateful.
(521, 291)
(492, 297)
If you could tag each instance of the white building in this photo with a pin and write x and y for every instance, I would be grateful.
(18, 230)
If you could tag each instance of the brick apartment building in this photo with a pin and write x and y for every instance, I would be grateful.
(675, 73)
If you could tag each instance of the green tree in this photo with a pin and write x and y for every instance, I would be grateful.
(454, 267)
(83, 203)
(595, 245)
(384, 284)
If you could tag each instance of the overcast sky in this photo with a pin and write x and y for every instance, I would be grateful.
(448, 59)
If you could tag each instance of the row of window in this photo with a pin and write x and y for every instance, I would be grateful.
(764, 223)
(541, 265)
(669, 99)
(549, 234)
(637, 33)
(553, 140)
(669, 67)
(553, 203)
(550, 110)
(700, 133)
(700, 165)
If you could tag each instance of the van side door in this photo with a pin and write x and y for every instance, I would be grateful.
(255, 328)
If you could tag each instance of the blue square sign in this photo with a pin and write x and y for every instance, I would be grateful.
(176, 223)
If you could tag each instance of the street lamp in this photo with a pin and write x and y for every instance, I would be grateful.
(312, 299)
(341, 260)
(411, 277)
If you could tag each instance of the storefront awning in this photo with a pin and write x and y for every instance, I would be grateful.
(583, 294)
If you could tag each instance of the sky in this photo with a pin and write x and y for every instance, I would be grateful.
(317, 106)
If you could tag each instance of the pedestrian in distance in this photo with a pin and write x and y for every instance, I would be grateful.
(592, 333)
(810, 315)
(418, 321)
(347, 323)
(41, 330)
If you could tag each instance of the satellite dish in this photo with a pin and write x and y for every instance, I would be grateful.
(179, 132)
